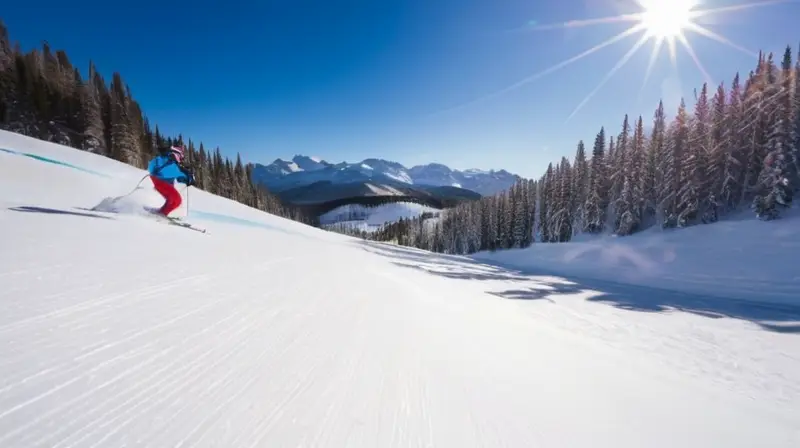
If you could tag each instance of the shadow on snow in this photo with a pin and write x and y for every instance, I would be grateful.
(781, 318)
(55, 211)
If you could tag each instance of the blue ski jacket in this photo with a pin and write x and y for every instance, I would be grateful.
(167, 169)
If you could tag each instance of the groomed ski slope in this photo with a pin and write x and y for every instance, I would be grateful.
(117, 330)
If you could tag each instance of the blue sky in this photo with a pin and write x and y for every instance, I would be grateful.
(350, 79)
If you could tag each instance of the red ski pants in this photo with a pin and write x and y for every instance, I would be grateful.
(168, 191)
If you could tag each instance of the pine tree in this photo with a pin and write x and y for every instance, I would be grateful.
(774, 186)
(579, 193)
(596, 201)
(755, 125)
(795, 154)
(671, 167)
(44, 96)
(629, 203)
(694, 189)
(652, 176)
(562, 226)
(733, 150)
(720, 140)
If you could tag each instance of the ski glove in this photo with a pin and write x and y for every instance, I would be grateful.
(188, 180)
(188, 177)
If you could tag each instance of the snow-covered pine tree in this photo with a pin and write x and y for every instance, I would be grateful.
(530, 212)
(520, 213)
(552, 203)
(545, 202)
(733, 149)
(493, 224)
(502, 220)
(561, 229)
(795, 159)
(125, 145)
(675, 149)
(579, 191)
(756, 104)
(595, 206)
(652, 177)
(511, 207)
(613, 183)
(720, 141)
(485, 204)
(774, 187)
(629, 204)
(90, 94)
(694, 166)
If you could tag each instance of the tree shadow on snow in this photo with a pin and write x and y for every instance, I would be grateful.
(775, 317)
(544, 290)
(55, 211)
(455, 272)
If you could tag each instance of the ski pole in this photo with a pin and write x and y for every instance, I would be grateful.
(187, 201)
(186, 189)
(134, 188)
(137, 185)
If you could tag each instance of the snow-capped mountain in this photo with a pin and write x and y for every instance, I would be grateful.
(303, 170)
(298, 163)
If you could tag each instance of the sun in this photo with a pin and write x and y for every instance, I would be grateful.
(666, 19)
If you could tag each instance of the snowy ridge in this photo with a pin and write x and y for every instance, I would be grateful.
(119, 330)
(384, 190)
(281, 175)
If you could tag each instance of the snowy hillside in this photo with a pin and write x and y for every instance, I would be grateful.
(740, 258)
(373, 218)
(282, 175)
(120, 330)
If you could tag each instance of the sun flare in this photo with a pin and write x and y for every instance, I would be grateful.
(666, 19)
(667, 24)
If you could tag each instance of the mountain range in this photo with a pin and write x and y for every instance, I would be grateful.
(282, 176)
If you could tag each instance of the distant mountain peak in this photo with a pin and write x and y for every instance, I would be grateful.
(306, 163)
(305, 170)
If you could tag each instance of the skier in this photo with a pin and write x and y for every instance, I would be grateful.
(165, 169)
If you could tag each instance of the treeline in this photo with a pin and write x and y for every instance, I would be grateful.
(368, 202)
(43, 95)
(739, 148)
(401, 232)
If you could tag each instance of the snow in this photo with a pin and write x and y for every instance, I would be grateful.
(365, 166)
(740, 258)
(384, 190)
(476, 172)
(120, 330)
(372, 218)
(400, 176)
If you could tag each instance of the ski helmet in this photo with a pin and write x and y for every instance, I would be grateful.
(178, 152)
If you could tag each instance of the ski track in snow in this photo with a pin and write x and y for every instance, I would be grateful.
(127, 332)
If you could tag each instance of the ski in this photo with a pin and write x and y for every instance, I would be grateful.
(174, 221)
(186, 225)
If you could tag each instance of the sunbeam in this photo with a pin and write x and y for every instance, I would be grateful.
(712, 35)
(696, 59)
(740, 7)
(559, 66)
(587, 22)
(662, 21)
(611, 73)
(650, 64)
